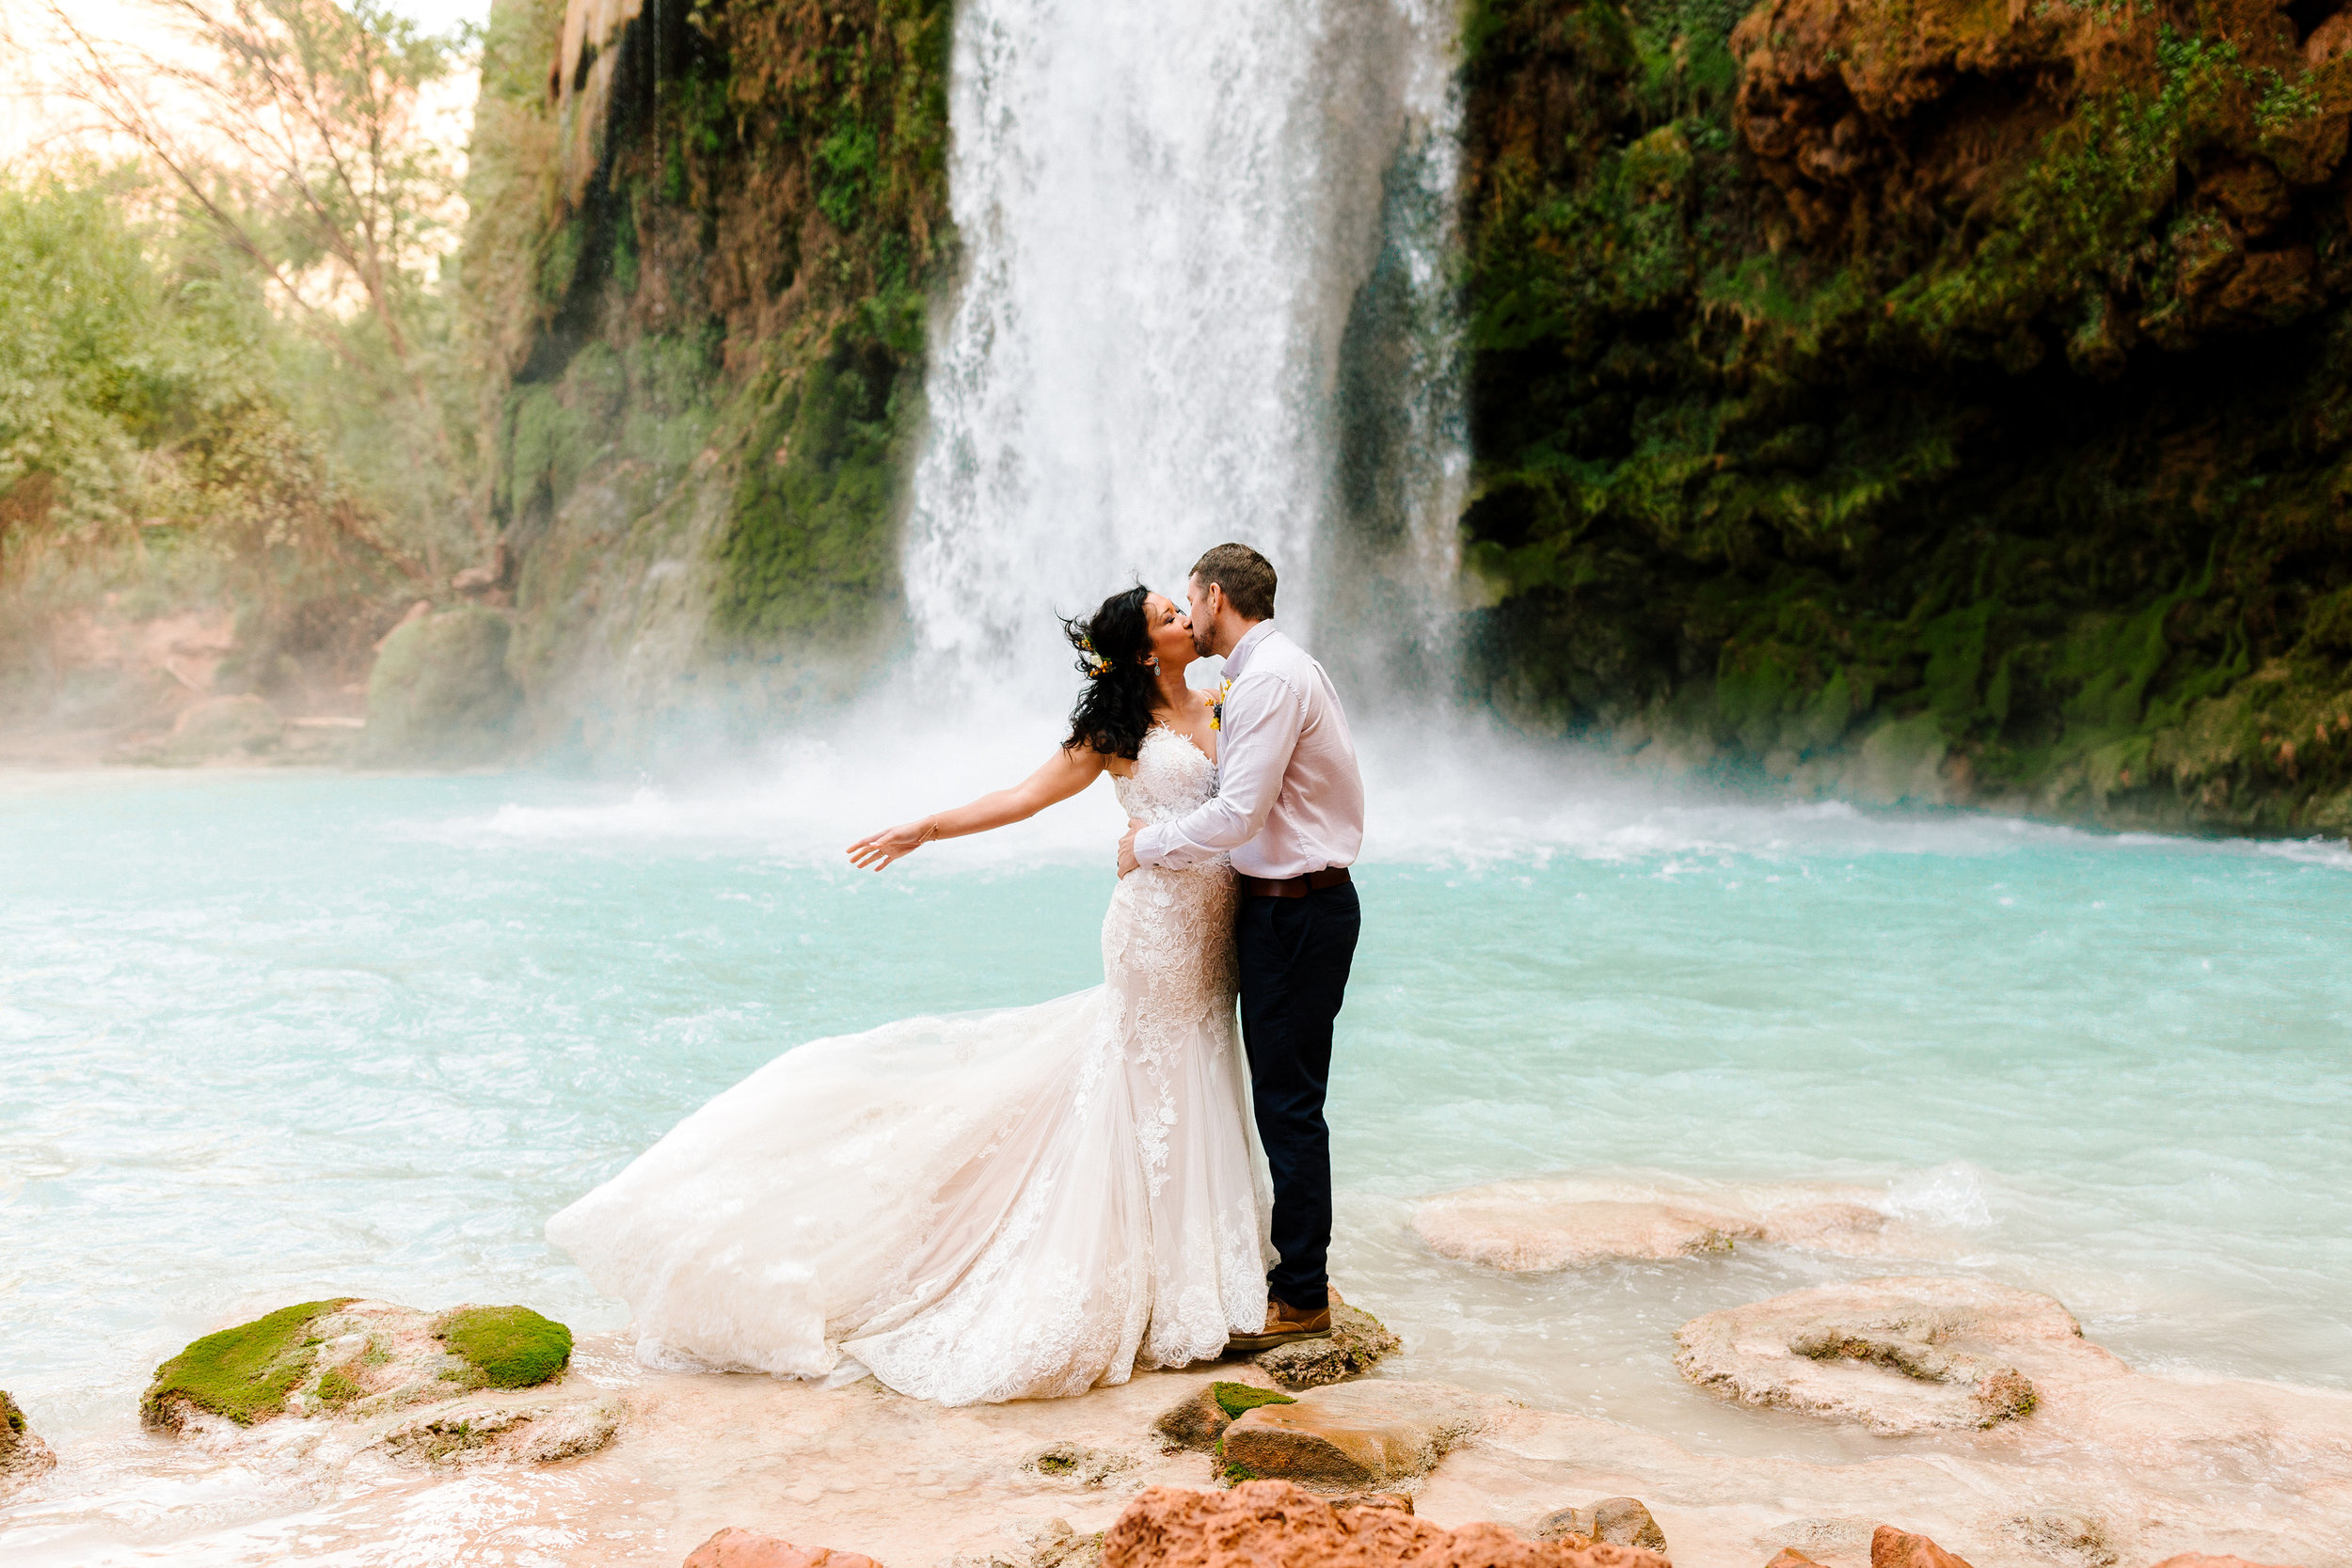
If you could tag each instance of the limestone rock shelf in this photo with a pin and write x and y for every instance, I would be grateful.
(2111, 1468)
(1539, 1224)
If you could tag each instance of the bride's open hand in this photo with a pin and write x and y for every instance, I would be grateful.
(876, 850)
(1069, 770)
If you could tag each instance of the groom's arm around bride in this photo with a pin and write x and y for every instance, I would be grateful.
(1290, 811)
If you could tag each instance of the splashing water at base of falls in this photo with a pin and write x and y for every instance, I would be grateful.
(1202, 301)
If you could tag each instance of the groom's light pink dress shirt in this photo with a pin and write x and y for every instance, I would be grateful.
(1289, 798)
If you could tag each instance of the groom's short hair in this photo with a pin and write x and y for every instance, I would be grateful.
(1247, 577)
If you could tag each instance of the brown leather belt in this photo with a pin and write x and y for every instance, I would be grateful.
(1294, 887)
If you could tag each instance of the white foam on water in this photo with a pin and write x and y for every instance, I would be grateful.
(1953, 1193)
(1454, 793)
(2333, 853)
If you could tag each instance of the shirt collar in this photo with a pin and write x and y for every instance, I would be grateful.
(1239, 659)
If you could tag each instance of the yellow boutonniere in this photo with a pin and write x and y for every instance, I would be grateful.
(1216, 713)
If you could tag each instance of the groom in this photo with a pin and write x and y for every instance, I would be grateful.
(1290, 808)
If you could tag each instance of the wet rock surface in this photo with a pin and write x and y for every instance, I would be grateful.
(1549, 1223)
(1267, 1524)
(23, 1456)
(2064, 1536)
(1356, 1436)
(1358, 1342)
(1079, 1464)
(1618, 1521)
(1899, 1356)
(463, 1386)
(1201, 1420)
(1894, 1548)
(1035, 1542)
(911, 1484)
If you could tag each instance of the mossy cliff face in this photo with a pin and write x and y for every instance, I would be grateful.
(704, 241)
(1940, 401)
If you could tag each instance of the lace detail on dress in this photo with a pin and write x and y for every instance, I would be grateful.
(1167, 951)
(994, 1207)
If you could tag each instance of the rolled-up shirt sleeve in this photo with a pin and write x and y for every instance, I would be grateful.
(1260, 730)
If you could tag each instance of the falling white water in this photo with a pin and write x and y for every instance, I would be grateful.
(1204, 299)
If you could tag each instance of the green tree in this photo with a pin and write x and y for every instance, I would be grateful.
(295, 130)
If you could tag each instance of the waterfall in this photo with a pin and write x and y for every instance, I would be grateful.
(1203, 297)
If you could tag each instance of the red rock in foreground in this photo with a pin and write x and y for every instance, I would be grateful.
(1273, 1524)
(1789, 1557)
(743, 1548)
(1894, 1548)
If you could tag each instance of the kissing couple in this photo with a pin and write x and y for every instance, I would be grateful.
(1035, 1202)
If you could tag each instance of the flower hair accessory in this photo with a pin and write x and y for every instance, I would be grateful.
(1098, 666)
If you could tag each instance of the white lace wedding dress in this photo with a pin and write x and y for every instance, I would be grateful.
(991, 1206)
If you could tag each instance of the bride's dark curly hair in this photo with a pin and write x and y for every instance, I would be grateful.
(1114, 708)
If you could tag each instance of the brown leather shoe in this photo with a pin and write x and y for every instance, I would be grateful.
(1283, 1324)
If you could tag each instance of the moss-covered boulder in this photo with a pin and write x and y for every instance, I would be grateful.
(440, 692)
(505, 1347)
(22, 1454)
(471, 1384)
(1200, 1420)
(242, 1373)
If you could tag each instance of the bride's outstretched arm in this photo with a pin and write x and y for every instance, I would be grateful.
(1068, 771)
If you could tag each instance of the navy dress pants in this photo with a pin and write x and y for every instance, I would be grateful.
(1295, 954)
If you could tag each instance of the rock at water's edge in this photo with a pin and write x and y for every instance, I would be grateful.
(507, 1347)
(1356, 1343)
(1198, 1421)
(431, 1390)
(1076, 1465)
(1789, 1557)
(742, 1549)
(2064, 1535)
(1894, 1548)
(1194, 1422)
(1899, 1356)
(1036, 1543)
(1618, 1521)
(1539, 1224)
(1264, 1524)
(1358, 1435)
(242, 1374)
(22, 1454)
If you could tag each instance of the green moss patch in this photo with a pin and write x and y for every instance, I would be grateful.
(506, 1347)
(1234, 1398)
(243, 1373)
(338, 1389)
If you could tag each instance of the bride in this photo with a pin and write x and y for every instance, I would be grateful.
(998, 1206)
